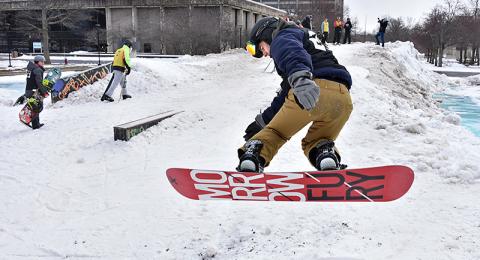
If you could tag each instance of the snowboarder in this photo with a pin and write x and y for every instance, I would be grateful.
(315, 89)
(35, 91)
(325, 30)
(307, 22)
(121, 67)
(381, 32)
(338, 24)
(348, 30)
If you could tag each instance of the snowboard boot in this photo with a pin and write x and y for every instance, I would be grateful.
(37, 126)
(126, 96)
(327, 158)
(250, 160)
(107, 98)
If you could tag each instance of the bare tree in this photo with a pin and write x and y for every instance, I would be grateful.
(473, 9)
(397, 30)
(346, 12)
(50, 14)
(441, 23)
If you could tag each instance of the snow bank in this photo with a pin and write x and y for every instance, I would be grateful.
(77, 193)
(397, 93)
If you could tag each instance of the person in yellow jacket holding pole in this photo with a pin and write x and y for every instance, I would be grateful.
(325, 30)
(120, 68)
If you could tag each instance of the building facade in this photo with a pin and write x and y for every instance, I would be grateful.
(319, 9)
(167, 26)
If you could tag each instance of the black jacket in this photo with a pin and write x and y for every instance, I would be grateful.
(34, 76)
(383, 25)
(348, 26)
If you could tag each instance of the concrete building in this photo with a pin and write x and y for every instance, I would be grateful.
(167, 26)
(319, 9)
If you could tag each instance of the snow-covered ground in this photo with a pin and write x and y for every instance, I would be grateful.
(16, 63)
(469, 86)
(69, 191)
(453, 65)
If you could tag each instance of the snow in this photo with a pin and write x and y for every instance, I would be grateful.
(69, 190)
(453, 65)
(468, 86)
(16, 63)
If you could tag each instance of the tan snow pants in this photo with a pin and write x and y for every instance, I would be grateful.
(328, 118)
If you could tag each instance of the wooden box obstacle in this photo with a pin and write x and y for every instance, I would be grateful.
(128, 130)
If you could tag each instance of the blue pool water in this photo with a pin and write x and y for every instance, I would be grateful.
(466, 108)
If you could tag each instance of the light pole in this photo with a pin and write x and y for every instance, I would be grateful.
(8, 45)
(97, 26)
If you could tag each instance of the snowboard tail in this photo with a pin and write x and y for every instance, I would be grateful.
(378, 184)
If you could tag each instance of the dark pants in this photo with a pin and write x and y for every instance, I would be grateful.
(325, 37)
(382, 38)
(347, 37)
(35, 120)
(338, 35)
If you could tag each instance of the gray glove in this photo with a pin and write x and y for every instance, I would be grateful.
(304, 88)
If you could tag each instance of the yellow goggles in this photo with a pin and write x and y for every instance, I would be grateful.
(251, 48)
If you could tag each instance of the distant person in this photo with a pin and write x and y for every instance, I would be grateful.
(35, 88)
(299, 23)
(325, 30)
(307, 22)
(348, 30)
(338, 25)
(381, 32)
(121, 68)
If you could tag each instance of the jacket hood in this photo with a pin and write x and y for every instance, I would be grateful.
(282, 24)
(31, 66)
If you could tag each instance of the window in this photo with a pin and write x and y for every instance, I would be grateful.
(147, 47)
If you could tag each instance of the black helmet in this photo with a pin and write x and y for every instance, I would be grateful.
(128, 43)
(262, 31)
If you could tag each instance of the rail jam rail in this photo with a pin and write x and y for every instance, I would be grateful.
(128, 130)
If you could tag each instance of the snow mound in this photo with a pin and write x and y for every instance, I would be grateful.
(395, 100)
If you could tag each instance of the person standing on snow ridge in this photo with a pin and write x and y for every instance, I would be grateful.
(315, 89)
(307, 22)
(121, 67)
(325, 30)
(338, 24)
(381, 32)
(348, 30)
(35, 90)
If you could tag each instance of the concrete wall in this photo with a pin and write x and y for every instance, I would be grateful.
(149, 24)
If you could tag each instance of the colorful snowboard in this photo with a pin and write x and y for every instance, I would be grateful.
(378, 184)
(26, 115)
(65, 86)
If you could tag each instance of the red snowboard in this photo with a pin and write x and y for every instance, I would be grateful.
(376, 184)
(26, 115)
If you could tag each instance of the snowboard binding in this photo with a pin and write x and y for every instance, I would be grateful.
(327, 158)
(250, 160)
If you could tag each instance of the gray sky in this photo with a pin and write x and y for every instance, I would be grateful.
(394, 8)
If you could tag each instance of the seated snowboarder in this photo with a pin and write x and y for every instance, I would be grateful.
(121, 67)
(35, 91)
(315, 89)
